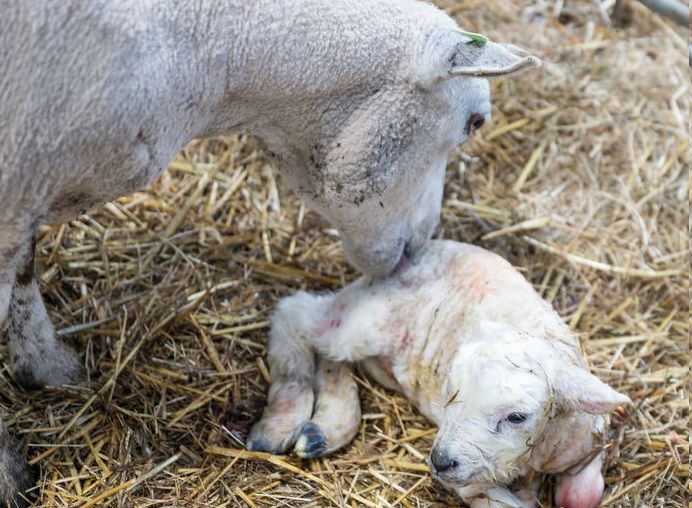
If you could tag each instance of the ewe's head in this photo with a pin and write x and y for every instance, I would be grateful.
(506, 395)
(383, 174)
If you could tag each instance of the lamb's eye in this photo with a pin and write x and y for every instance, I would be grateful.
(517, 418)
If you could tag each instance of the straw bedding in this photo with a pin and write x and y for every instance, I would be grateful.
(581, 180)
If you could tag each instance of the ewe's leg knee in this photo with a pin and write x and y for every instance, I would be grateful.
(337, 414)
(37, 357)
(15, 477)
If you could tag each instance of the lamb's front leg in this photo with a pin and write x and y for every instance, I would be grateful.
(37, 356)
(498, 497)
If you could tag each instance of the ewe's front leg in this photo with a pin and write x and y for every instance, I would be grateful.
(37, 357)
(15, 477)
(12, 240)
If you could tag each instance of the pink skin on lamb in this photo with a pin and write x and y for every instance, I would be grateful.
(583, 490)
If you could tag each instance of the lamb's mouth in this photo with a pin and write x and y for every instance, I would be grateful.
(452, 482)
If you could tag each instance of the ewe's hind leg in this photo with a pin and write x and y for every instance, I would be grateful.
(292, 369)
(37, 357)
(336, 418)
(14, 472)
(15, 477)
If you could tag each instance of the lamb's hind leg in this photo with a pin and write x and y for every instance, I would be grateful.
(303, 325)
(37, 356)
(12, 238)
(337, 416)
(292, 370)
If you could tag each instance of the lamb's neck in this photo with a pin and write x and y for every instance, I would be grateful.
(560, 451)
(428, 363)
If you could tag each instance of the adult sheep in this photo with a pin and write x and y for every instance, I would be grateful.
(358, 103)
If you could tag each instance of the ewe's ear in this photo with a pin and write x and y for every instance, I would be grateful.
(456, 53)
(489, 60)
(583, 391)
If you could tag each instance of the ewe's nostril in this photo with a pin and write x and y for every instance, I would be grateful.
(475, 122)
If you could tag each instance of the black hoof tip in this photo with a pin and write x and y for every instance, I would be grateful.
(311, 442)
(257, 445)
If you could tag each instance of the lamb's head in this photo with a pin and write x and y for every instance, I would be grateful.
(514, 398)
(381, 174)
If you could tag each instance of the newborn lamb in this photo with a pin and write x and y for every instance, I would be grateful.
(468, 341)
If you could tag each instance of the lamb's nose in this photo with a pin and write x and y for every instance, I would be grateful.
(441, 461)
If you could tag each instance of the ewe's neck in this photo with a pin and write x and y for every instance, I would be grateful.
(286, 58)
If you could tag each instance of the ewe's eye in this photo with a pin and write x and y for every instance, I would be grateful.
(517, 418)
(474, 123)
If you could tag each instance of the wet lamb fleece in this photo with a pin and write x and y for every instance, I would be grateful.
(467, 340)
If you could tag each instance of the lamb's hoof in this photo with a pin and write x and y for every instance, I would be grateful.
(259, 440)
(15, 480)
(258, 444)
(58, 367)
(311, 442)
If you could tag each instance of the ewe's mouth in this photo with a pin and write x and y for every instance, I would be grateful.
(403, 263)
(406, 259)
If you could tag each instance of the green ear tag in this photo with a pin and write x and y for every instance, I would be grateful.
(477, 39)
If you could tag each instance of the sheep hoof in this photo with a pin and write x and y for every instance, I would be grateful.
(311, 442)
(15, 478)
(259, 441)
(258, 444)
(59, 367)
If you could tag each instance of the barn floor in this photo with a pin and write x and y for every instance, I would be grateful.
(581, 180)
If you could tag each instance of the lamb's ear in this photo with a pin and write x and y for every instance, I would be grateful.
(584, 392)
